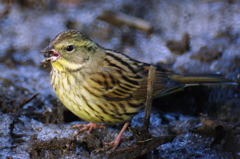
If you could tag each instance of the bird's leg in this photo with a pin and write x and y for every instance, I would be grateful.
(114, 144)
(118, 138)
(90, 126)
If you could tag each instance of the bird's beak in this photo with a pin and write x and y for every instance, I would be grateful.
(50, 53)
(47, 49)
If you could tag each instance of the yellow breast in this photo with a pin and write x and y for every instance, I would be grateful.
(84, 98)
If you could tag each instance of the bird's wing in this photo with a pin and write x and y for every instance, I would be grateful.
(115, 84)
(112, 84)
(119, 85)
(119, 76)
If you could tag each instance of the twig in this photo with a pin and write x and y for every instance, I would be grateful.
(151, 79)
(140, 148)
(29, 100)
(120, 19)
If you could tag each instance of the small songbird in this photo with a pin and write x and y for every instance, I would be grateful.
(103, 86)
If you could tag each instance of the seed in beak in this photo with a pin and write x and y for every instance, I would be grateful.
(47, 54)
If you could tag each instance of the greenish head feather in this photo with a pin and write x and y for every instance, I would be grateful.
(75, 38)
(74, 47)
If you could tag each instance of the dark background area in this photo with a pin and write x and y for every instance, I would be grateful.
(201, 36)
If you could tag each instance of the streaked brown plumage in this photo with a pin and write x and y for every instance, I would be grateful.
(104, 86)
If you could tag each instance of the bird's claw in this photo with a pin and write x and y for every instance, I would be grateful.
(108, 146)
(90, 127)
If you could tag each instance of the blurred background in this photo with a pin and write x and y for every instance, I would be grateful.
(201, 36)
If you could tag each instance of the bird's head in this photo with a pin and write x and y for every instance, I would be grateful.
(70, 50)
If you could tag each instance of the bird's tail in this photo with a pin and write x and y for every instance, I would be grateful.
(201, 79)
(168, 83)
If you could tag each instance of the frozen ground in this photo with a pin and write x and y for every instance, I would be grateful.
(35, 125)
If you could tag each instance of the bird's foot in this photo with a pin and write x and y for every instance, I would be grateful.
(109, 145)
(90, 126)
(114, 144)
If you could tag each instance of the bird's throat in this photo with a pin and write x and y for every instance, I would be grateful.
(62, 65)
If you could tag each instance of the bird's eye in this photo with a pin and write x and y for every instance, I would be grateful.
(70, 48)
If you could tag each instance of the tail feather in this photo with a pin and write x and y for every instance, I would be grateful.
(168, 83)
(201, 79)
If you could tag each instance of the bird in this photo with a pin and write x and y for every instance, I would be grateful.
(100, 85)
